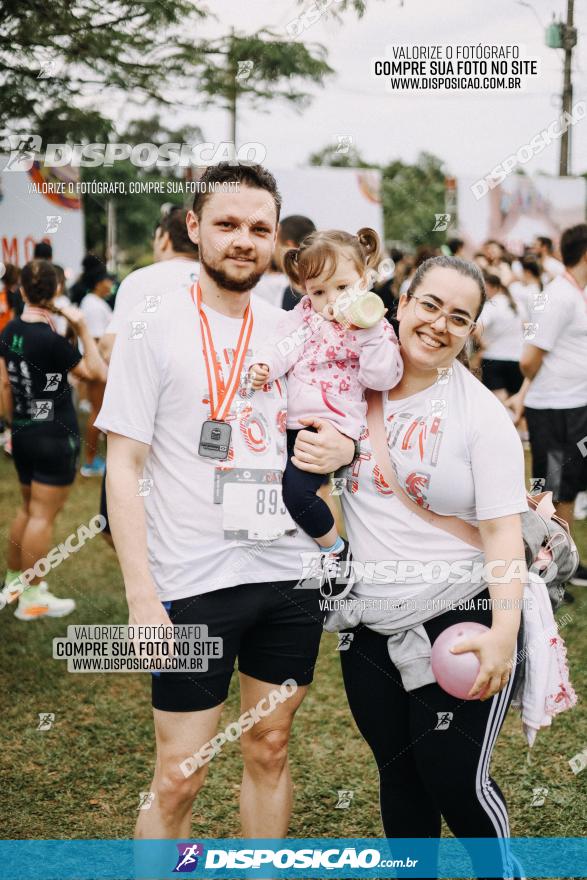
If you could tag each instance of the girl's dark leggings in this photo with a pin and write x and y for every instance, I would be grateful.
(306, 508)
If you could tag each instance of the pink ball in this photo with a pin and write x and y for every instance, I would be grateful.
(456, 673)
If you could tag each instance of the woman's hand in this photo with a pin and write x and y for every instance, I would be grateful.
(74, 316)
(494, 650)
(324, 451)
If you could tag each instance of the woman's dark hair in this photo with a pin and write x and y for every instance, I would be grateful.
(463, 267)
(39, 281)
(60, 276)
(11, 275)
(495, 281)
(530, 264)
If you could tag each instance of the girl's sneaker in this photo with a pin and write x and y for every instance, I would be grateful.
(38, 602)
(337, 574)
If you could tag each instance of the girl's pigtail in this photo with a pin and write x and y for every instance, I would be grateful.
(290, 264)
(371, 246)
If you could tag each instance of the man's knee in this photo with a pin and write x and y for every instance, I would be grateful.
(173, 788)
(266, 750)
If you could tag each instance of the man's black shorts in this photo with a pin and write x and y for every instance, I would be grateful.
(558, 440)
(272, 629)
(51, 460)
(501, 374)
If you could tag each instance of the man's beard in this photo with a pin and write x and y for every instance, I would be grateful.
(225, 281)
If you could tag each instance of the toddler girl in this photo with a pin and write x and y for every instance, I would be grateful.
(329, 364)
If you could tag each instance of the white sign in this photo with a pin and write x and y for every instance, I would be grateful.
(26, 202)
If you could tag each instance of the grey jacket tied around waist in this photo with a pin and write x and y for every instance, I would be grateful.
(408, 643)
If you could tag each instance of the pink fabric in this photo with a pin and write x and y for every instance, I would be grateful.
(546, 689)
(329, 367)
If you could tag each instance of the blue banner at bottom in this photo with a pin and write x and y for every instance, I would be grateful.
(520, 857)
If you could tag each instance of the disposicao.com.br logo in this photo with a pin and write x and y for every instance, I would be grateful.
(330, 859)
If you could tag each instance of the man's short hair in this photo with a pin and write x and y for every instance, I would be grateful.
(545, 242)
(295, 228)
(573, 244)
(254, 176)
(43, 251)
(173, 222)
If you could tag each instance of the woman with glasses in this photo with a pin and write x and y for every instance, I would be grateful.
(454, 451)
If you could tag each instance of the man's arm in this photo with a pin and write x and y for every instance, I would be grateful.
(531, 360)
(324, 450)
(126, 514)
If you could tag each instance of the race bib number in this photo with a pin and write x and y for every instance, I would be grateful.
(252, 503)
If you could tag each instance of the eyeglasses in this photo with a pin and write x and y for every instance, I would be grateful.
(429, 311)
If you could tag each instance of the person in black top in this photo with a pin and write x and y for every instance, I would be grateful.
(34, 365)
(43, 251)
(290, 234)
(79, 288)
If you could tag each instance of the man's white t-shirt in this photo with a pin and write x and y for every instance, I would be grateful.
(148, 285)
(455, 451)
(524, 296)
(552, 268)
(270, 288)
(503, 330)
(97, 313)
(559, 327)
(210, 524)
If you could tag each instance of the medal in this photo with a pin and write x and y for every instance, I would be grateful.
(215, 440)
(215, 433)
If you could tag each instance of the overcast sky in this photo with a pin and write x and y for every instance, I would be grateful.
(470, 131)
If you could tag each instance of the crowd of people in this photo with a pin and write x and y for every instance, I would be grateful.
(182, 375)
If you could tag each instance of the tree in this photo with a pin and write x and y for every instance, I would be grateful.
(260, 68)
(411, 196)
(53, 52)
(333, 156)
(136, 213)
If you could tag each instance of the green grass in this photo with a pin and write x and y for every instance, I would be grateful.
(82, 778)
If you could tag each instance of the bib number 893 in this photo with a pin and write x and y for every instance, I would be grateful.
(268, 502)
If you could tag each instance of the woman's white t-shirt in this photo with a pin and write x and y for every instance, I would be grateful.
(97, 313)
(525, 296)
(454, 450)
(502, 329)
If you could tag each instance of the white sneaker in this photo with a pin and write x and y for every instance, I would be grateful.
(580, 511)
(38, 602)
(338, 575)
